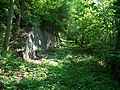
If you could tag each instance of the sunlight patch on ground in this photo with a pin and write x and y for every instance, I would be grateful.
(35, 61)
(52, 63)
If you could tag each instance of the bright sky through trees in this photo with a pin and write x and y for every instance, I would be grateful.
(96, 1)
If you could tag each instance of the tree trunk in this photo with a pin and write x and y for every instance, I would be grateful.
(118, 40)
(118, 25)
(9, 26)
(18, 18)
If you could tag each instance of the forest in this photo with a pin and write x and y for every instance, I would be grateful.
(60, 45)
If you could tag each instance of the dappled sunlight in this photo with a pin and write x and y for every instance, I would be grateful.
(51, 62)
(59, 45)
(71, 72)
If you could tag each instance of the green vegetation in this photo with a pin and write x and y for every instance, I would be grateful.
(84, 54)
(64, 69)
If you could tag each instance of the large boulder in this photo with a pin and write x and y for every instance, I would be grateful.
(35, 42)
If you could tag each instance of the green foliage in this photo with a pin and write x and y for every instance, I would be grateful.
(3, 19)
(91, 23)
(47, 14)
(94, 26)
(113, 63)
(64, 69)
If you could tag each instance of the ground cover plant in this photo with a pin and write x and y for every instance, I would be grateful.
(64, 69)
(60, 44)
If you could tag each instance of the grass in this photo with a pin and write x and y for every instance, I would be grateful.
(64, 69)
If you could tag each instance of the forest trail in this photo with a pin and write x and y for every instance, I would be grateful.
(64, 69)
(88, 32)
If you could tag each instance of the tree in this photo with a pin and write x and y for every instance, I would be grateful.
(9, 26)
(117, 23)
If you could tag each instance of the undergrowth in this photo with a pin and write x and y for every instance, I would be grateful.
(64, 69)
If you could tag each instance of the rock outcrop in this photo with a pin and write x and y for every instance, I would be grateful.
(35, 43)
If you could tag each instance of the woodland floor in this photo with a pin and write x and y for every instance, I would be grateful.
(64, 69)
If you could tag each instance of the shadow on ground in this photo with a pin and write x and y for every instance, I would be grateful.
(73, 71)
